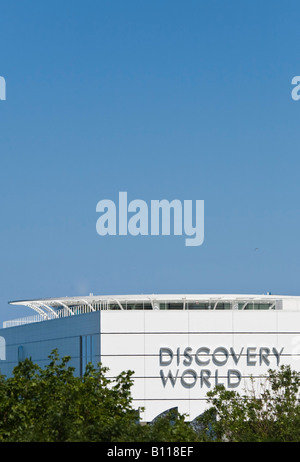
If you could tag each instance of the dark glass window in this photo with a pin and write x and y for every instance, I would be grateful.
(21, 354)
(174, 306)
(87, 352)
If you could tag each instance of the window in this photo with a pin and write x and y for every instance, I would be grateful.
(174, 306)
(223, 306)
(134, 306)
(87, 352)
(256, 306)
(198, 306)
(20, 354)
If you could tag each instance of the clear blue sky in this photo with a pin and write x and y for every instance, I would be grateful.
(163, 99)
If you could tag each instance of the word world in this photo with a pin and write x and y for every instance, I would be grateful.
(134, 218)
(219, 357)
(2, 89)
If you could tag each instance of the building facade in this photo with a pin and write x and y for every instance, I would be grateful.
(179, 346)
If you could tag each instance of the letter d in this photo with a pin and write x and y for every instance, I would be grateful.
(168, 361)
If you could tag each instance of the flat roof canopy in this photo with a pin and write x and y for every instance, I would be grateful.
(96, 302)
(159, 297)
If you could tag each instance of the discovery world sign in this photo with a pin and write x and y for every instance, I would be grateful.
(202, 366)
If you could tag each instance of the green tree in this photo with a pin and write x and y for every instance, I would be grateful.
(171, 427)
(53, 405)
(268, 411)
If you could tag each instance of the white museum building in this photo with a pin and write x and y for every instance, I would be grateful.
(178, 345)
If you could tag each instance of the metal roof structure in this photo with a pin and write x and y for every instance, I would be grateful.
(51, 305)
(52, 308)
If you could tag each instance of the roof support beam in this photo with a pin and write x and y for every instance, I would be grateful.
(51, 310)
(118, 302)
(65, 306)
(38, 310)
(88, 304)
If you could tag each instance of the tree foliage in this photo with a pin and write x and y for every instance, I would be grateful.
(54, 405)
(51, 404)
(268, 411)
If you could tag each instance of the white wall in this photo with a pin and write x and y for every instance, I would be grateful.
(132, 340)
